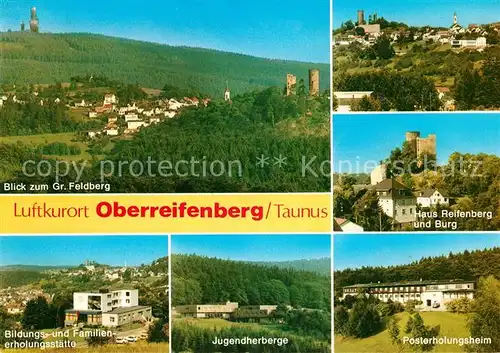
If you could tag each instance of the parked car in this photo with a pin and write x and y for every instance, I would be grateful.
(131, 338)
(121, 340)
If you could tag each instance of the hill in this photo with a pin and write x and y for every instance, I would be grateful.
(36, 268)
(16, 278)
(320, 266)
(197, 279)
(29, 58)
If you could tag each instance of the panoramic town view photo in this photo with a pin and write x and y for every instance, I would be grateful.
(416, 55)
(417, 293)
(84, 294)
(251, 293)
(191, 97)
(416, 172)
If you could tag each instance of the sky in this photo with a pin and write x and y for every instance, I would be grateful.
(254, 247)
(356, 250)
(371, 137)
(294, 29)
(74, 250)
(420, 12)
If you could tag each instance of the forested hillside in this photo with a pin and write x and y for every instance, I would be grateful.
(46, 58)
(469, 265)
(320, 266)
(257, 123)
(197, 279)
(15, 278)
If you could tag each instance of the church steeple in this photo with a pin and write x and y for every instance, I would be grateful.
(455, 18)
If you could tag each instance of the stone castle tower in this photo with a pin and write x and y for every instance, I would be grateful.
(291, 84)
(34, 25)
(361, 17)
(313, 82)
(421, 145)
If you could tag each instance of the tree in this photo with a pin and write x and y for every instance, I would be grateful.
(347, 26)
(364, 320)
(127, 275)
(383, 48)
(301, 90)
(369, 215)
(393, 328)
(360, 31)
(341, 319)
(274, 292)
(96, 341)
(280, 312)
(484, 321)
(460, 305)
(158, 331)
(37, 315)
(418, 330)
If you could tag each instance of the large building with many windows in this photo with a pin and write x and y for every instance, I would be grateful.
(114, 308)
(433, 294)
(204, 311)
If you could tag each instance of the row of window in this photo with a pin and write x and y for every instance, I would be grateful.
(394, 296)
(400, 289)
(403, 211)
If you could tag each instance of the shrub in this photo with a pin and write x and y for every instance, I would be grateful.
(364, 320)
(460, 305)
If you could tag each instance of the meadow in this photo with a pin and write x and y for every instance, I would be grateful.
(451, 325)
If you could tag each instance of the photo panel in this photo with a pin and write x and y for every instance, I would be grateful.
(435, 292)
(416, 172)
(415, 56)
(251, 293)
(101, 98)
(73, 293)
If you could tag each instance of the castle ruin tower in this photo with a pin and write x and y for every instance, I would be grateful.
(227, 93)
(426, 145)
(411, 138)
(291, 84)
(22, 26)
(361, 17)
(34, 27)
(313, 82)
(455, 18)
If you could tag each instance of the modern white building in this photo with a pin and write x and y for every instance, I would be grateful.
(203, 311)
(346, 98)
(432, 197)
(433, 294)
(397, 201)
(113, 308)
(478, 43)
(207, 310)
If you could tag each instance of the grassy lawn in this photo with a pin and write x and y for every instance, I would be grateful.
(45, 139)
(142, 347)
(221, 323)
(274, 329)
(452, 325)
(75, 338)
